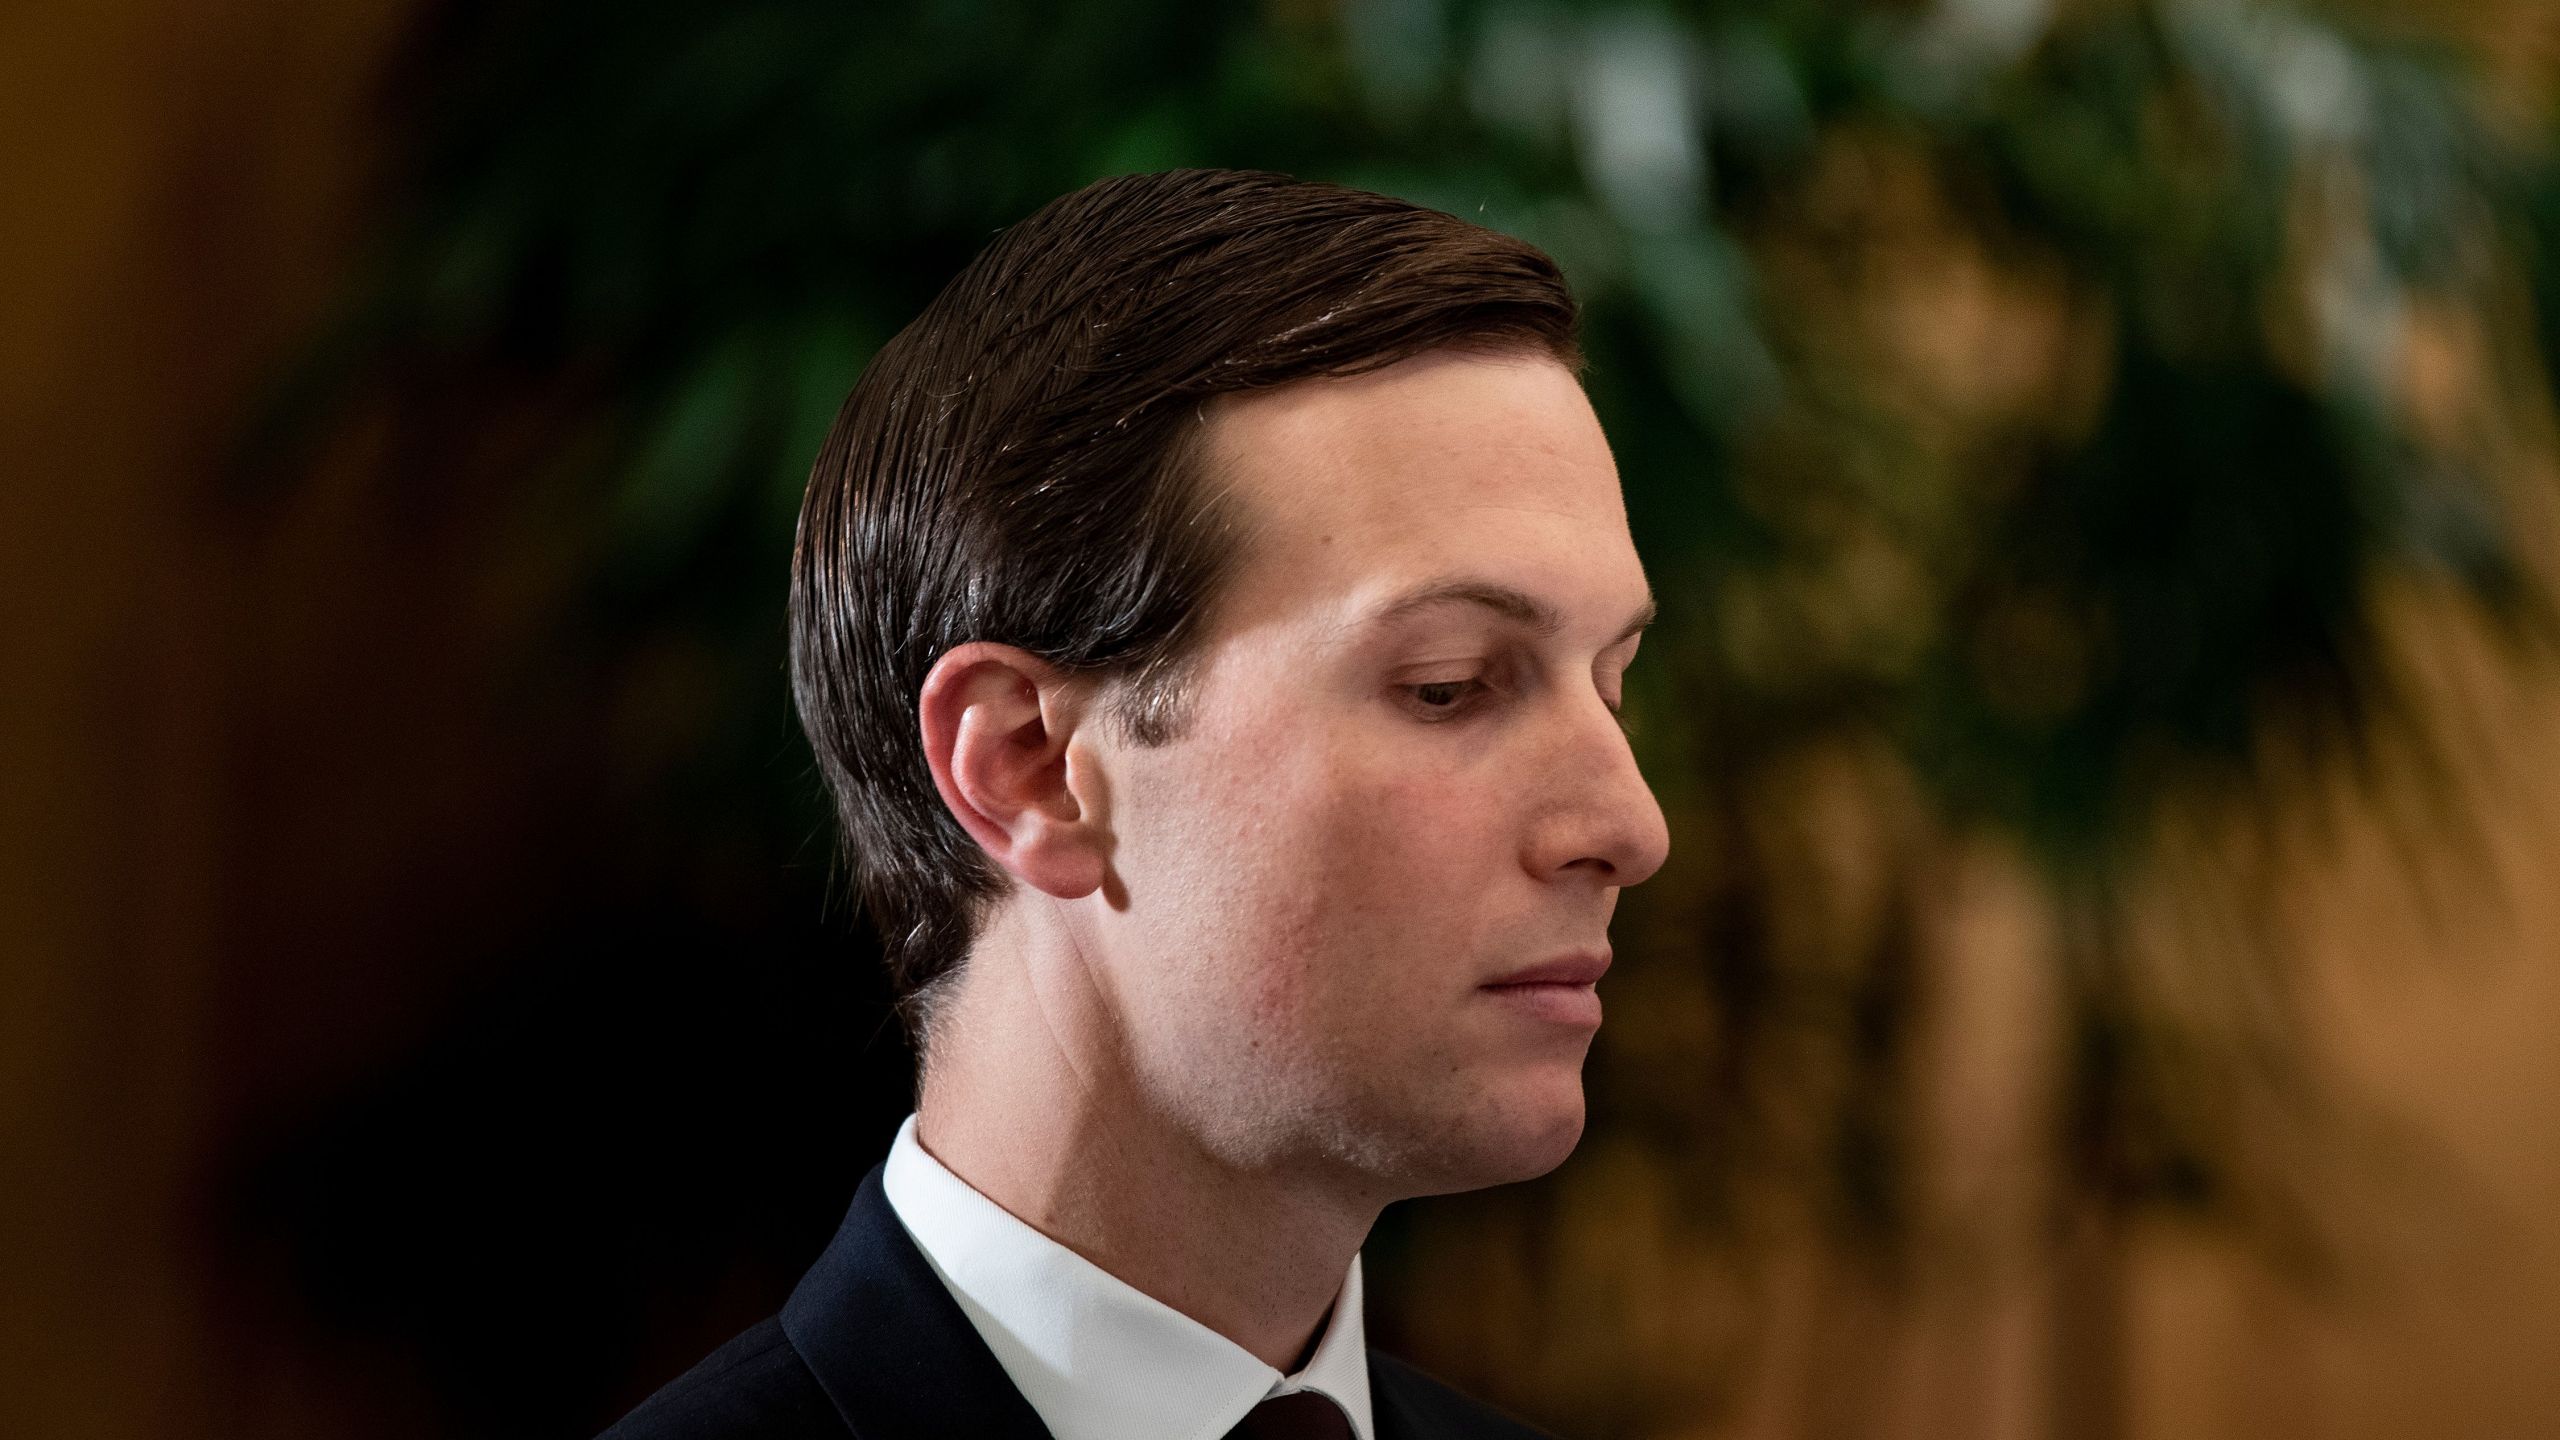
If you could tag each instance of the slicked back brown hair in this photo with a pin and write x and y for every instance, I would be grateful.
(1021, 465)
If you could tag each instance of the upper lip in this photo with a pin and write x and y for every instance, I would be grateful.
(1579, 967)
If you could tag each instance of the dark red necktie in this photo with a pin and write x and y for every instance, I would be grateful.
(1305, 1415)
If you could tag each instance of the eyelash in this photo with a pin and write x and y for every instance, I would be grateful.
(1436, 713)
(1475, 689)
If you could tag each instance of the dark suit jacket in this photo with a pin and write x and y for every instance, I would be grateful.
(870, 1345)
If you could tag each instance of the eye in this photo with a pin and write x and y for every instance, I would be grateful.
(1442, 699)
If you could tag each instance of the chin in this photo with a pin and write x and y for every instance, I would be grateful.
(1513, 1136)
(1549, 1143)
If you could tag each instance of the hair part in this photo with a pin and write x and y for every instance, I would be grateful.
(1024, 463)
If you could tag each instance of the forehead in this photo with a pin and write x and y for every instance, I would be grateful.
(1448, 463)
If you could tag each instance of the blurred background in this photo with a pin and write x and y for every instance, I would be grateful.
(2097, 458)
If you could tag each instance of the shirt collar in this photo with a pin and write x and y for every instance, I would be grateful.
(1099, 1359)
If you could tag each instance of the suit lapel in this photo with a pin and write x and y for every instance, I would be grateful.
(888, 1343)
(1391, 1410)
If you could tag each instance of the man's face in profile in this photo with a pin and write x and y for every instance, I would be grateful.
(1402, 782)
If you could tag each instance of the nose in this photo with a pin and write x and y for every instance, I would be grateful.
(1597, 816)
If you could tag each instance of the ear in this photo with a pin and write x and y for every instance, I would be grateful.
(997, 721)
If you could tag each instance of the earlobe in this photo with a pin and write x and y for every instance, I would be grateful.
(998, 726)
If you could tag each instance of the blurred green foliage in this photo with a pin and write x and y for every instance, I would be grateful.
(2018, 388)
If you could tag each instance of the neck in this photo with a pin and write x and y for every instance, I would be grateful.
(1026, 1097)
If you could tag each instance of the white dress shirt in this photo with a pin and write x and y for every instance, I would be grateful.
(1098, 1359)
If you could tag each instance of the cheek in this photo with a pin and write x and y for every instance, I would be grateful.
(1323, 889)
(1399, 840)
(1389, 897)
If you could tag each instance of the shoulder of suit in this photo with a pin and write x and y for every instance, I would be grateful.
(756, 1387)
(1410, 1403)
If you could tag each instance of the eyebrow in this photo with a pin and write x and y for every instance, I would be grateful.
(1504, 600)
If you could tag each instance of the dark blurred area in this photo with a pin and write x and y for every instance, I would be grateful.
(2097, 461)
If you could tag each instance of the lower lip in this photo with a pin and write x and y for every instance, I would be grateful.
(1557, 1003)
